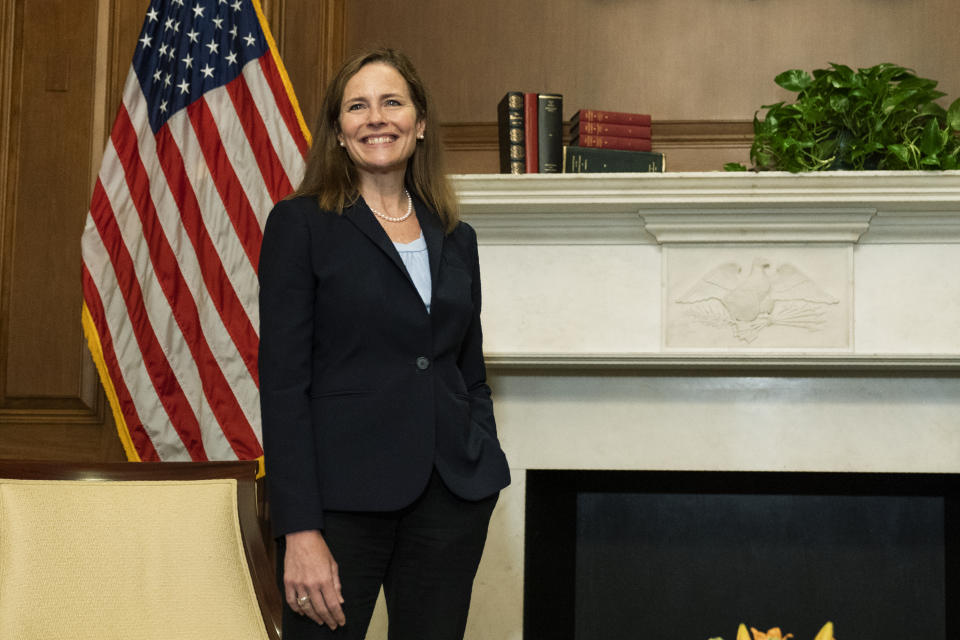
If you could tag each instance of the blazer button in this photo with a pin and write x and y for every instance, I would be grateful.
(423, 363)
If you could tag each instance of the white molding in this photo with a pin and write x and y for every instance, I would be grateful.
(693, 363)
(767, 224)
(841, 206)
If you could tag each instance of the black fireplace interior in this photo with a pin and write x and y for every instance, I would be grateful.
(689, 555)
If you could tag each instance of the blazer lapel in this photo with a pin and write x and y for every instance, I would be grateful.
(433, 234)
(360, 215)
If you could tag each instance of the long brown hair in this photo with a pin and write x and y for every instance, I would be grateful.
(330, 175)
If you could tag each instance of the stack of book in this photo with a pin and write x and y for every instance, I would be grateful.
(610, 141)
(531, 132)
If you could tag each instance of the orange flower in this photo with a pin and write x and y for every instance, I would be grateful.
(826, 633)
(772, 634)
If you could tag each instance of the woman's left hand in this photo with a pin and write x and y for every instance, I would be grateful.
(311, 579)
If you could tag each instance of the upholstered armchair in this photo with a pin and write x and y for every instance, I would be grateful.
(133, 551)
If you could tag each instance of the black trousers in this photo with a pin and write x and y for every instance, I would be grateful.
(425, 556)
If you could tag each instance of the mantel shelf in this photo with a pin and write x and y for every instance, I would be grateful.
(814, 364)
(825, 207)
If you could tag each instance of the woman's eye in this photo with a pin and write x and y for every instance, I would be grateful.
(393, 103)
(354, 107)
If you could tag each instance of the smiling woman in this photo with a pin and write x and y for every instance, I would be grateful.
(380, 443)
(379, 126)
(331, 174)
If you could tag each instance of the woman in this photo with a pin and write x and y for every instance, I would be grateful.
(381, 450)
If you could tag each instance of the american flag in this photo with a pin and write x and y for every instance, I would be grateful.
(208, 137)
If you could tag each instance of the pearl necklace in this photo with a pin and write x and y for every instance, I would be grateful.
(398, 218)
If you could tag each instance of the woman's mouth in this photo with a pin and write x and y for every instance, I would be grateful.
(379, 139)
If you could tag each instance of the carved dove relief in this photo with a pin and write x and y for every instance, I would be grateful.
(762, 298)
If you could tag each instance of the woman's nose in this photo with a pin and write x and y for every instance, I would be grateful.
(375, 114)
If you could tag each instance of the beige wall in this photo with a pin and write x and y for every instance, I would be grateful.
(701, 67)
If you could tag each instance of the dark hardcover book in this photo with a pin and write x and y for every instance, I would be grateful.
(613, 142)
(612, 117)
(550, 130)
(604, 129)
(510, 129)
(589, 160)
(531, 156)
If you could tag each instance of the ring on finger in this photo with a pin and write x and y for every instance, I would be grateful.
(303, 601)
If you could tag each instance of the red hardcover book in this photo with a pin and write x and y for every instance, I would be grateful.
(613, 142)
(530, 131)
(604, 129)
(612, 117)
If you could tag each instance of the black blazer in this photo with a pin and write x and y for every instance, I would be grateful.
(362, 391)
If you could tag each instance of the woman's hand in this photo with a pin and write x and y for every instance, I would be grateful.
(310, 570)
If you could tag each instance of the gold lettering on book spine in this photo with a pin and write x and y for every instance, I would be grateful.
(516, 135)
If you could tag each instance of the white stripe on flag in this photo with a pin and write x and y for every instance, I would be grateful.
(280, 137)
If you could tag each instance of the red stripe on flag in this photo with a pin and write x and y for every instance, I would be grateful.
(169, 393)
(272, 75)
(231, 192)
(218, 285)
(268, 161)
(138, 435)
(215, 387)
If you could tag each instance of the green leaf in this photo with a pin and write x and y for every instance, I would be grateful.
(839, 102)
(842, 76)
(900, 151)
(932, 139)
(734, 166)
(953, 115)
(891, 102)
(932, 109)
(887, 72)
(794, 80)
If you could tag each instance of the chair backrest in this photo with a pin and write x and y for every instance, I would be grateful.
(133, 551)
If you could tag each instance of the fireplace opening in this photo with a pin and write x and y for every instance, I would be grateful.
(690, 555)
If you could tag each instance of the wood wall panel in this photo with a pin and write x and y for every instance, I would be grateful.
(692, 145)
(310, 37)
(124, 21)
(51, 405)
(676, 59)
(44, 350)
(680, 60)
(9, 106)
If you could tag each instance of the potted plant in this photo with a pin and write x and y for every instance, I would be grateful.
(883, 117)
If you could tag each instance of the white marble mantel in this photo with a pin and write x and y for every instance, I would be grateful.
(844, 206)
(611, 241)
(617, 336)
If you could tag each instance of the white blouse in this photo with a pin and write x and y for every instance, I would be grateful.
(417, 262)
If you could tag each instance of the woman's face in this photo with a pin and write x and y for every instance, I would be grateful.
(378, 120)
